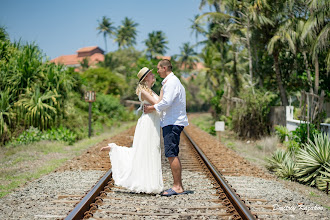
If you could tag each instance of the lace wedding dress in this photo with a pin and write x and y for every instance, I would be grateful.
(138, 168)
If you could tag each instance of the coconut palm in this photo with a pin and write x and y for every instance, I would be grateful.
(318, 25)
(196, 28)
(215, 3)
(187, 57)
(106, 28)
(126, 33)
(156, 44)
(211, 59)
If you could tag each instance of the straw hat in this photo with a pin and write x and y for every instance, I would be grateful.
(143, 73)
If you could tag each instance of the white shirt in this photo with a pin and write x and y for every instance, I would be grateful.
(172, 107)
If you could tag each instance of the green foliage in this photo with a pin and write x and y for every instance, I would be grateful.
(37, 108)
(108, 107)
(215, 103)
(282, 163)
(6, 115)
(281, 132)
(156, 44)
(307, 162)
(324, 178)
(313, 159)
(55, 134)
(250, 119)
(300, 135)
(121, 61)
(104, 81)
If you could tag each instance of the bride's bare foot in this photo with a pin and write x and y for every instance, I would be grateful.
(107, 148)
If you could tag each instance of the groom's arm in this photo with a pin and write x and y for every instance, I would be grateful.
(168, 98)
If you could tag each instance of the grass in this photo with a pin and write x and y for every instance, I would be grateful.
(24, 163)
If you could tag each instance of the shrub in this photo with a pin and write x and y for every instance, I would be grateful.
(281, 132)
(55, 134)
(321, 181)
(313, 160)
(283, 164)
(300, 135)
(109, 107)
(250, 119)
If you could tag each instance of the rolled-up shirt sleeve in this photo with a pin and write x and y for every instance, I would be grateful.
(168, 98)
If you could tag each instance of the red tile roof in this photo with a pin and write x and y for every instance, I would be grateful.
(87, 49)
(74, 59)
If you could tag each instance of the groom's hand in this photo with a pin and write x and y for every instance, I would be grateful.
(148, 108)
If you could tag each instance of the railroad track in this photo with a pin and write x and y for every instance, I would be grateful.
(55, 195)
(209, 197)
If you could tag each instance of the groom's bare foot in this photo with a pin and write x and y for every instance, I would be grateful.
(176, 189)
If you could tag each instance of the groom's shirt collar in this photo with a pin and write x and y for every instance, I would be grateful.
(167, 77)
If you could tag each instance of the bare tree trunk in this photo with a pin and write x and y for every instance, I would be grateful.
(307, 69)
(249, 51)
(316, 85)
(236, 80)
(284, 98)
(228, 100)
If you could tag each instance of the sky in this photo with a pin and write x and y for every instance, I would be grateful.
(61, 27)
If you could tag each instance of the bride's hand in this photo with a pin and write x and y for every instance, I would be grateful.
(105, 148)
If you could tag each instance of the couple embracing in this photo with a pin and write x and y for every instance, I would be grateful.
(139, 168)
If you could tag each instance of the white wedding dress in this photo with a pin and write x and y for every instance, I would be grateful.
(138, 168)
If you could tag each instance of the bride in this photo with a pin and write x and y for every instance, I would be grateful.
(138, 168)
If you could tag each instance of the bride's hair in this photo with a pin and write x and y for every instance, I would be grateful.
(143, 85)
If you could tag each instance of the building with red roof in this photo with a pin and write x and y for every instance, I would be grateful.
(94, 54)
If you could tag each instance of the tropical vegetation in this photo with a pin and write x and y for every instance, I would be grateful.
(252, 54)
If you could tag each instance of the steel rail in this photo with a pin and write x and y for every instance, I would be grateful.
(83, 205)
(240, 207)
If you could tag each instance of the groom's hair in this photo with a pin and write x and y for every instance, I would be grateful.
(167, 63)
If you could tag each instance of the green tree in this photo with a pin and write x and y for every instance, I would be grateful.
(196, 28)
(318, 25)
(3, 34)
(104, 81)
(106, 28)
(156, 44)
(126, 33)
(188, 57)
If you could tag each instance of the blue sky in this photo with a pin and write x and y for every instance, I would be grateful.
(61, 27)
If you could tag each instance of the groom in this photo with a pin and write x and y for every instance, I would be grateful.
(173, 119)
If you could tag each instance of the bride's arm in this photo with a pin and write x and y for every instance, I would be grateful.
(146, 96)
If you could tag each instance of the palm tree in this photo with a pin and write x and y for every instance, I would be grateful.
(318, 25)
(106, 28)
(188, 57)
(156, 44)
(196, 28)
(126, 33)
(215, 3)
(211, 59)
